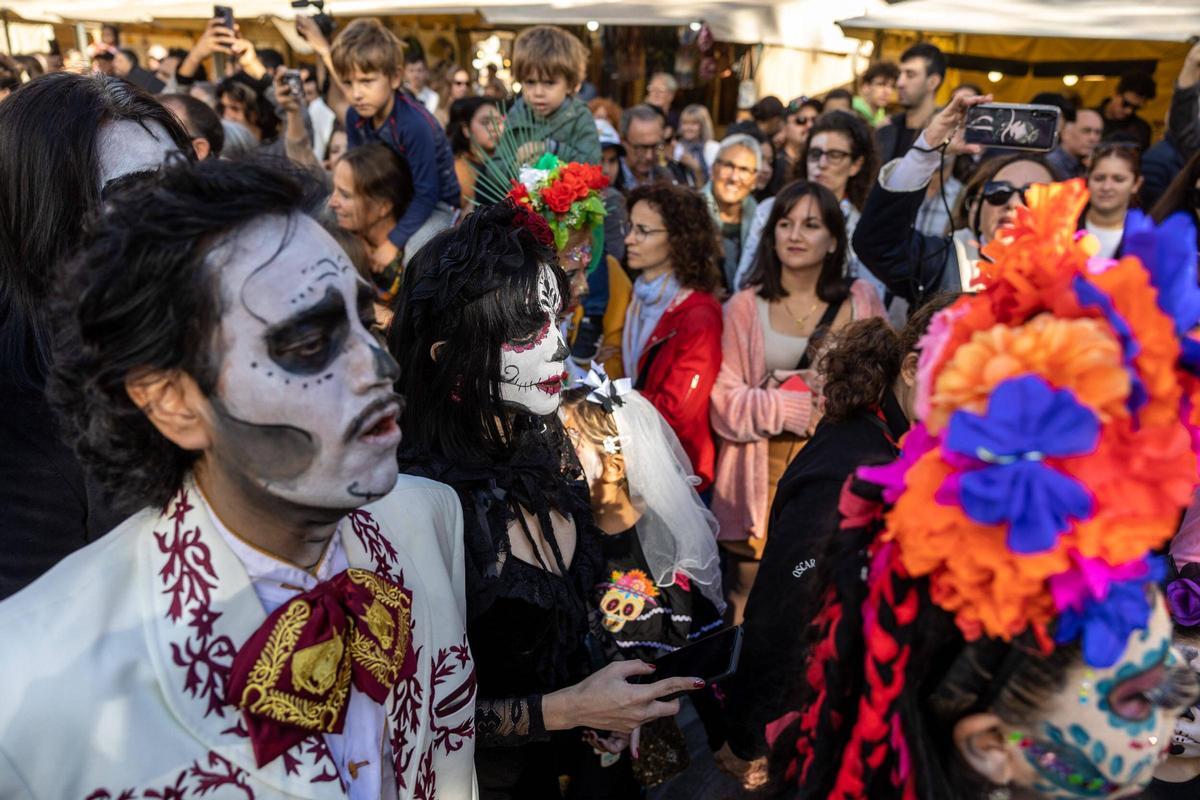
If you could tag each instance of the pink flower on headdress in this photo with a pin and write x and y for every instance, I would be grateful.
(916, 443)
(932, 346)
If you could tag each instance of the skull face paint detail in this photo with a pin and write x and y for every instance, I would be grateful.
(1106, 741)
(304, 405)
(531, 369)
(1185, 743)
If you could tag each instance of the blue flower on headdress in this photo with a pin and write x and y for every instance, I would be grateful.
(1168, 251)
(1103, 622)
(1026, 421)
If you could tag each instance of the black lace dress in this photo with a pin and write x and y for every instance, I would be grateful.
(531, 630)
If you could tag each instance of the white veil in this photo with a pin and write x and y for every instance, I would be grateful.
(677, 532)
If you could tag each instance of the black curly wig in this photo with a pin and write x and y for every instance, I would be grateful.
(142, 295)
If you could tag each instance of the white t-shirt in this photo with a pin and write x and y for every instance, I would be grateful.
(1109, 238)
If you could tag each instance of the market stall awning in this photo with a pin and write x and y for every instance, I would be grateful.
(1161, 20)
(801, 24)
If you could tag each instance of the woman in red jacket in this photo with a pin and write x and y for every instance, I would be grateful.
(672, 341)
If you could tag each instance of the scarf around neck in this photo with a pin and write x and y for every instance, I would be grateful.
(650, 301)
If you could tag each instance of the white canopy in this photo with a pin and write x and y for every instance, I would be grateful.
(801, 24)
(1160, 20)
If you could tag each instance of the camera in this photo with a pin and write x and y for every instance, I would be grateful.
(324, 22)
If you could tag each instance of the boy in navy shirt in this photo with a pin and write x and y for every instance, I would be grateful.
(369, 60)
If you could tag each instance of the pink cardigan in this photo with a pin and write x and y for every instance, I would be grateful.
(744, 416)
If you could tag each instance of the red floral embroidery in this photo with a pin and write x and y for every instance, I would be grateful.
(426, 788)
(188, 573)
(188, 576)
(406, 716)
(216, 772)
(220, 773)
(449, 662)
(381, 551)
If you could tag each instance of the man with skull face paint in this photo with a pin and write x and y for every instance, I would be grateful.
(285, 616)
(482, 365)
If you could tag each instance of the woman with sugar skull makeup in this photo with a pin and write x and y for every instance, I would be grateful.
(482, 365)
(994, 624)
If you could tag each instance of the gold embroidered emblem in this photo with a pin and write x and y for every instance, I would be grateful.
(325, 669)
(314, 669)
(379, 622)
(260, 696)
(384, 658)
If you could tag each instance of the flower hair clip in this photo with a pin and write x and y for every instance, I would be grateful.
(606, 392)
(612, 445)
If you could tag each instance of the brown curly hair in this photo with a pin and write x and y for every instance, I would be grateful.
(864, 359)
(691, 232)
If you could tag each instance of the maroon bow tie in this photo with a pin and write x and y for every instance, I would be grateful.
(292, 677)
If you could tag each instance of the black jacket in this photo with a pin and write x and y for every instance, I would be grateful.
(911, 264)
(47, 508)
(894, 140)
(803, 517)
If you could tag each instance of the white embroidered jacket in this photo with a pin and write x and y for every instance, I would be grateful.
(113, 665)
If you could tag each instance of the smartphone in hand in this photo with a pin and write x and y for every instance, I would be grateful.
(1013, 126)
(713, 658)
(225, 14)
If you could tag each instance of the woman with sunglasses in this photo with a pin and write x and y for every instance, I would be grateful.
(671, 344)
(798, 120)
(916, 266)
(454, 84)
(1114, 180)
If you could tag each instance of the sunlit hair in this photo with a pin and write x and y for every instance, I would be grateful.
(548, 52)
(366, 45)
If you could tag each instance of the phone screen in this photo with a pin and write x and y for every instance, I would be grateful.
(712, 658)
(1013, 126)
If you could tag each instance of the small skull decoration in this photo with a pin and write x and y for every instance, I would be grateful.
(627, 596)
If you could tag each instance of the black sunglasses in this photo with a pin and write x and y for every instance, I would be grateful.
(998, 193)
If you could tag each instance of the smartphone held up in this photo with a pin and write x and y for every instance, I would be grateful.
(1013, 126)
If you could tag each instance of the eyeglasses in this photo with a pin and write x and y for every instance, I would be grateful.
(802, 121)
(815, 154)
(998, 193)
(742, 172)
(640, 232)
